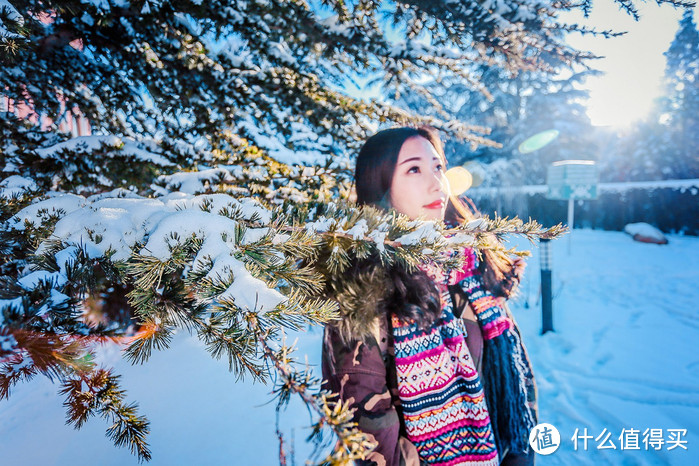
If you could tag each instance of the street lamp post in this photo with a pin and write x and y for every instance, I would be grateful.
(546, 295)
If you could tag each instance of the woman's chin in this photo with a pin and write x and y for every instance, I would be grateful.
(434, 215)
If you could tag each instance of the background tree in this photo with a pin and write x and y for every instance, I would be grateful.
(515, 108)
(665, 144)
(521, 107)
(678, 109)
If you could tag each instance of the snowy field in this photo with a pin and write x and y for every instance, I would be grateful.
(623, 356)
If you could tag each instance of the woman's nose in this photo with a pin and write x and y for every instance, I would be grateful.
(436, 182)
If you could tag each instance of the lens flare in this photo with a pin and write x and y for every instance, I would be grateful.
(460, 180)
(477, 171)
(538, 141)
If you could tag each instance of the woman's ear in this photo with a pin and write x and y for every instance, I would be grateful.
(352, 197)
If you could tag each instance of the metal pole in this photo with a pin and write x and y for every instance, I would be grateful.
(571, 220)
(546, 295)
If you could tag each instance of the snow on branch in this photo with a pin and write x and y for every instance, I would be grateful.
(87, 144)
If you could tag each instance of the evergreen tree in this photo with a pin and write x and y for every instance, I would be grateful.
(189, 73)
(539, 103)
(679, 107)
(665, 144)
(515, 108)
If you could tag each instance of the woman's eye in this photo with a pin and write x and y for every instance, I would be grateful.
(440, 167)
(414, 170)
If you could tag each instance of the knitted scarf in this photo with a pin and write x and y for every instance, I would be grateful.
(505, 366)
(444, 409)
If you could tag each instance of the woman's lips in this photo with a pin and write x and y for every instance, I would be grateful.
(435, 205)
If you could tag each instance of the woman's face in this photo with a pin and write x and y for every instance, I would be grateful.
(419, 187)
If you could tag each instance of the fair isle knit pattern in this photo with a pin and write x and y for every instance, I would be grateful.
(444, 408)
(505, 366)
(488, 308)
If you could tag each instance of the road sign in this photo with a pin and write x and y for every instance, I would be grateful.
(572, 179)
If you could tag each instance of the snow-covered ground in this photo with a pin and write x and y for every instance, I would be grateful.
(622, 357)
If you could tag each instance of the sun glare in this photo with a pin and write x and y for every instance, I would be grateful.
(618, 110)
(633, 64)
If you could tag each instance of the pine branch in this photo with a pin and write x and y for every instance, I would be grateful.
(254, 271)
(89, 391)
(98, 392)
(500, 226)
(352, 444)
(150, 336)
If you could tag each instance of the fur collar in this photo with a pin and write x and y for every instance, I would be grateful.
(363, 297)
(368, 291)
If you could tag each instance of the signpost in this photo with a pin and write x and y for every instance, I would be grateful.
(572, 180)
(569, 180)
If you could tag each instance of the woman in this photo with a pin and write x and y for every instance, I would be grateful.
(427, 386)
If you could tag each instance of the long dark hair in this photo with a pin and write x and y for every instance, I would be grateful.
(373, 175)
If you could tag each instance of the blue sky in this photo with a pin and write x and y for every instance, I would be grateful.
(634, 64)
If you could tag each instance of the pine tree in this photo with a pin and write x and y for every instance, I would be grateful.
(515, 108)
(679, 107)
(665, 144)
(189, 205)
(190, 73)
